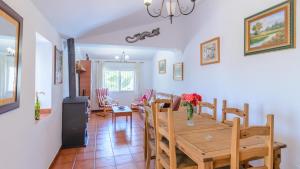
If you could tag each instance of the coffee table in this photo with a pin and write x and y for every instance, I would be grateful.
(117, 112)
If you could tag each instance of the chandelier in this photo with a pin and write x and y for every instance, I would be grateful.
(122, 58)
(171, 6)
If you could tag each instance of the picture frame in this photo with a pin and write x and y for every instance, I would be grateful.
(10, 58)
(210, 51)
(58, 66)
(178, 71)
(270, 30)
(162, 66)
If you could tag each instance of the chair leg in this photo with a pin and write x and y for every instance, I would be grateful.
(158, 164)
(145, 144)
(148, 159)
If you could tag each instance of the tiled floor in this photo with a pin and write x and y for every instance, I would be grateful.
(108, 148)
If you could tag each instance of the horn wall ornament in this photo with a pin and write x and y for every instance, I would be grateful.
(142, 36)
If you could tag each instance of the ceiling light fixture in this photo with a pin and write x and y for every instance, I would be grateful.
(171, 6)
(123, 57)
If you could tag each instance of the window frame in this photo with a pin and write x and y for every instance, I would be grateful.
(120, 80)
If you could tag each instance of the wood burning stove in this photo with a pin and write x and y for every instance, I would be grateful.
(75, 109)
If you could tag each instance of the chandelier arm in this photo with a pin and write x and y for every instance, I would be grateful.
(180, 10)
(160, 11)
(152, 15)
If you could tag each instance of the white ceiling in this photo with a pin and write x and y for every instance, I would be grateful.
(108, 52)
(76, 18)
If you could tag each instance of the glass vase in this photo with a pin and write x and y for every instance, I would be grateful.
(190, 115)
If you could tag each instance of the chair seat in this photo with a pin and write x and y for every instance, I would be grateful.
(183, 162)
(228, 167)
(153, 147)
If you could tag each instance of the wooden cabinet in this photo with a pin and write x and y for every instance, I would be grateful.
(84, 73)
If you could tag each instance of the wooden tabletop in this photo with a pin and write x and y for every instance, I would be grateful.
(208, 141)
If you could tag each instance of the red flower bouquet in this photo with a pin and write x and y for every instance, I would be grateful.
(193, 99)
(189, 101)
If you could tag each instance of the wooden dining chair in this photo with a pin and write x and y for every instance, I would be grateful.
(150, 123)
(166, 156)
(265, 151)
(243, 114)
(211, 106)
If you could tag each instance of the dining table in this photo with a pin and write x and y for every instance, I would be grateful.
(208, 141)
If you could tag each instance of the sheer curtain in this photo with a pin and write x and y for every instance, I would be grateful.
(97, 72)
(138, 81)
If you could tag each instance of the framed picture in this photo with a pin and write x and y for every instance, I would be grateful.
(10, 58)
(272, 29)
(58, 66)
(178, 71)
(210, 51)
(162, 66)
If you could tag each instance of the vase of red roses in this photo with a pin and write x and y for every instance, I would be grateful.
(190, 101)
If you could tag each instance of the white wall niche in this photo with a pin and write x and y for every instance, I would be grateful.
(44, 70)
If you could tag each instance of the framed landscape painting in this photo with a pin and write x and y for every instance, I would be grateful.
(178, 71)
(162, 66)
(58, 67)
(210, 51)
(272, 29)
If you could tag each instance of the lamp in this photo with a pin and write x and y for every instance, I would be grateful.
(123, 57)
(171, 6)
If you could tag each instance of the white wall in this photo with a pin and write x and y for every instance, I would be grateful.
(44, 71)
(268, 82)
(24, 142)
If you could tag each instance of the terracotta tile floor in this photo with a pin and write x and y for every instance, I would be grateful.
(108, 148)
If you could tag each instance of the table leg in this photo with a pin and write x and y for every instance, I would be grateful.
(206, 165)
(115, 120)
(131, 121)
(277, 159)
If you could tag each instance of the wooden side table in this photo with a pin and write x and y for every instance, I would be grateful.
(117, 112)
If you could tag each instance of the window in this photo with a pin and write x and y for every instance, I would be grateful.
(119, 80)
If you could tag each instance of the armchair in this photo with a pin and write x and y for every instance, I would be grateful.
(105, 102)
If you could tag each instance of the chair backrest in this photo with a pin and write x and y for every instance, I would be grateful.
(247, 154)
(166, 151)
(176, 100)
(244, 114)
(149, 94)
(101, 94)
(150, 121)
(210, 106)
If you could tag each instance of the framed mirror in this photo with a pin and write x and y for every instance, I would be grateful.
(11, 25)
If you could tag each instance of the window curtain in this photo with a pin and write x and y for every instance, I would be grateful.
(97, 70)
(138, 81)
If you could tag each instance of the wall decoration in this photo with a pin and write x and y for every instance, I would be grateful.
(142, 36)
(162, 66)
(58, 66)
(178, 71)
(11, 26)
(210, 51)
(272, 29)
